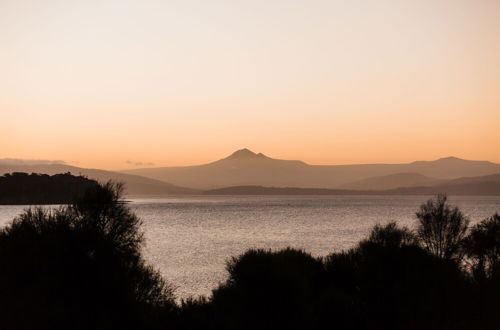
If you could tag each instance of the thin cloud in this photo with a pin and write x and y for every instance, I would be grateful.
(17, 161)
(130, 162)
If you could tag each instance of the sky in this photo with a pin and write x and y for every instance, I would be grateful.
(119, 84)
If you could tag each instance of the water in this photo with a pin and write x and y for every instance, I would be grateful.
(189, 239)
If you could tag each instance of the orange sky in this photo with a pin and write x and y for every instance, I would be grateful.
(108, 83)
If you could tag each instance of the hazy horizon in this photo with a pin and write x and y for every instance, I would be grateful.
(115, 84)
(139, 165)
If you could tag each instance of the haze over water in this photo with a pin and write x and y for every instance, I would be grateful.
(190, 238)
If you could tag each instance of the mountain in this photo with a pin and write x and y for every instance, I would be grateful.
(393, 181)
(134, 184)
(452, 167)
(247, 168)
(243, 167)
(480, 186)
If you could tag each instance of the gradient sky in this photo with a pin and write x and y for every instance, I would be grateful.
(108, 83)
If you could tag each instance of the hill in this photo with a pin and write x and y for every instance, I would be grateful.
(134, 184)
(481, 186)
(488, 185)
(393, 181)
(246, 168)
(28, 189)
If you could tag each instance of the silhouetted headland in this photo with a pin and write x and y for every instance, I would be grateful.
(134, 184)
(22, 188)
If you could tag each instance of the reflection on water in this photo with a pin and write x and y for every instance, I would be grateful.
(190, 238)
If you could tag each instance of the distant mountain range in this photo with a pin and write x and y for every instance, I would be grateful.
(256, 173)
(246, 168)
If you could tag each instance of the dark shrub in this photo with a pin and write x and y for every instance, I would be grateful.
(389, 282)
(270, 290)
(79, 267)
(482, 250)
(390, 236)
(197, 313)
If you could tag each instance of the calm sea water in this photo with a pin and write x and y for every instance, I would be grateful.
(189, 239)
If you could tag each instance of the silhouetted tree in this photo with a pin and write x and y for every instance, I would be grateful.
(80, 267)
(482, 247)
(441, 227)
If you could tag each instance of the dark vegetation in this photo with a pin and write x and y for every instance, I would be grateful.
(80, 267)
(22, 188)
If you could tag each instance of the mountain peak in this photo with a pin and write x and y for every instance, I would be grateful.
(451, 158)
(245, 154)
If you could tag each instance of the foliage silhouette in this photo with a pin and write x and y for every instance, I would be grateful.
(482, 251)
(389, 282)
(80, 267)
(482, 248)
(441, 227)
(270, 290)
(391, 235)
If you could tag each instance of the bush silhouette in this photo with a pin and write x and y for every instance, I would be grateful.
(482, 247)
(441, 227)
(79, 267)
(389, 282)
(482, 250)
(391, 235)
(270, 290)
(198, 313)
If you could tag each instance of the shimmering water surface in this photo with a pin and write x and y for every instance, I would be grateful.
(189, 239)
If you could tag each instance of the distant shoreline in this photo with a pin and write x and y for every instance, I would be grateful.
(473, 189)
